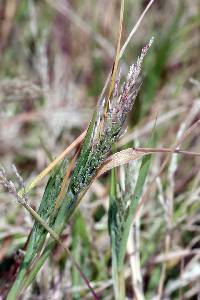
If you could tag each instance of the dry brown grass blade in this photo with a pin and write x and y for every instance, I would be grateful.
(130, 154)
(133, 31)
(131, 34)
(117, 57)
(166, 150)
(65, 181)
(37, 179)
(112, 76)
(119, 158)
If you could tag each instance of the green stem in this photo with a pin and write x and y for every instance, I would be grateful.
(63, 215)
(14, 291)
(117, 270)
(31, 276)
(118, 280)
(121, 285)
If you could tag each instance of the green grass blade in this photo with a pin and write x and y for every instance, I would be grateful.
(117, 275)
(38, 234)
(143, 172)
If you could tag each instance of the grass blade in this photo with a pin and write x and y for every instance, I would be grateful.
(143, 172)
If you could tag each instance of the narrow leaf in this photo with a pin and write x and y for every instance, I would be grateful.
(134, 202)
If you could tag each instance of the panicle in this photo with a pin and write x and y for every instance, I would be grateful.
(135, 69)
(123, 103)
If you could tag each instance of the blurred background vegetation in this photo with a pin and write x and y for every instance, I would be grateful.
(54, 58)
